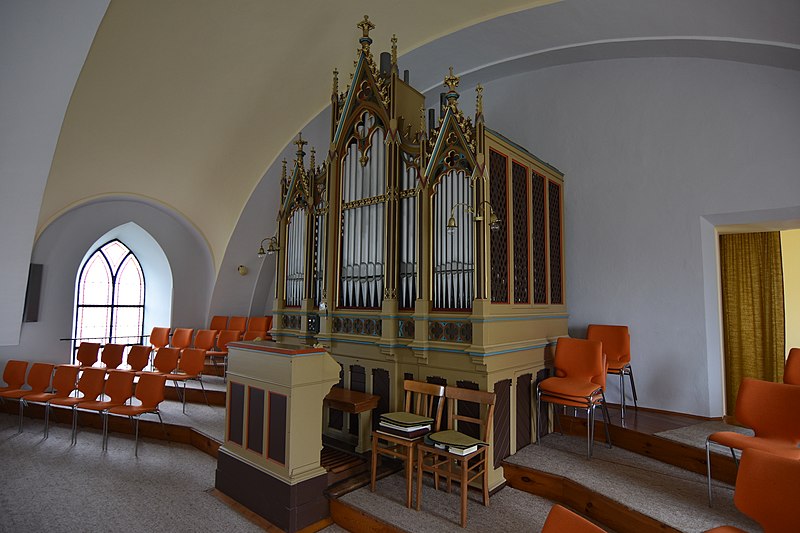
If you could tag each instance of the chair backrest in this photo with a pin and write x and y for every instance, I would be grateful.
(562, 520)
(580, 358)
(181, 338)
(87, 353)
(766, 490)
(770, 409)
(64, 379)
(14, 373)
(159, 337)
(119, 385)
(166, 359)
(425, 399)
(268, 337)
(257, 323)
(91, 382)
(791, 372)
(251, 335)
(238, 323)
(112, 355)
(457, 394)
(616, 341)
(205, 339)
(226, 336)
(218, 322)
(193, 361)
(139, 356)
(150, 390)
(39, 377)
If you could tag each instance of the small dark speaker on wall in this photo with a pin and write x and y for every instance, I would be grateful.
(34, 293)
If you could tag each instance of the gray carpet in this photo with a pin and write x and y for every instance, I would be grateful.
(695, 435)
(207, 420)
(48, 485)
(666, 493)
(509, 509)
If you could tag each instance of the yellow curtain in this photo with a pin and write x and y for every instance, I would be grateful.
(752, 309)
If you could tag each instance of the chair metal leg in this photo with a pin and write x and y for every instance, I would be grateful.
(184, 395)
(735, 459)
(606, 421)
(74, 426)
(708, 469)
(21, 407)
(590, 430)
(104, 414)
(163, 427)
(136, 445)
(46, 419)
(203, 388)
(538, 414)
(633, 387)
(622, 393)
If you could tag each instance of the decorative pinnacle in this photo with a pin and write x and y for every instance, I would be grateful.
(479, 100)
(451, 81)
(313, 161)
(365, 26)
(335, 82)
(394, 53)
(300, 143)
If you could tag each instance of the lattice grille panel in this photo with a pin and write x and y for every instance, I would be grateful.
(539, 243)
(498, 183)
(519, 175)
(554, 197)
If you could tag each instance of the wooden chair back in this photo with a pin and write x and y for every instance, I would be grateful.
(425, 399)
(483, 398)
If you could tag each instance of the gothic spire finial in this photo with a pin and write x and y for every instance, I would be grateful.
(300, 143)
(394, 53)
(336, 82)
(479, 100)
(451, 81)
(365, 26)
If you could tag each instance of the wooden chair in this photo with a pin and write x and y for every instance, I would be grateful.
(579, 382)
(562, 520)
(112, 355)
(90, 385)
(617, 349)
(119, 389)
(63, 384)
(766, 491)
(38, 382)
(87, 354)
(791, 372)
(448, 462)
(771, 411)
(190, 367)
(425, 400)
(149, 393)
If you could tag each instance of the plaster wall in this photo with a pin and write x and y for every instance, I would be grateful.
(649, 148)
(63, 246)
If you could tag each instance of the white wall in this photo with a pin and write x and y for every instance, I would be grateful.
(43, 45)
(63, 246)
(649, 147)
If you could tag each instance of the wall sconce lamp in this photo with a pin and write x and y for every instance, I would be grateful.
(272, 246)
(494, 222)
(242, 270)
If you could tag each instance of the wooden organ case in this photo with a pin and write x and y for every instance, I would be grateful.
(431, 252)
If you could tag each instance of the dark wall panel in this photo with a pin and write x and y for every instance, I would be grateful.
(236, 417)
(502, 420)
(255, 420)
(358, 382)
(523, 410)
(276, 444)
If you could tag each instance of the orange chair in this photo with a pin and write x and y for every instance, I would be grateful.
(447, 462)
(766, 491)
(252, 335)
(90, 385)
(190, 367)
(205, 339)
(268, 337)
(257, 323)
(579, 381)
(112, 355)
(87, 354)
(63, 384)
(38, 381)
(425, 401)
(771, 411)
(562, 520)
(138, 357)
(225, 336)
(119, 389)
(150, 393)
(181, 338)
(14, 375)
(237, 323)
(165, 361)
(617, 348)
(791, 372)
(218, 322)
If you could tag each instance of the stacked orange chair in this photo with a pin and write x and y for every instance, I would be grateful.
(87, 354)
(63, 384)
(562, 520)
(38, 381)
(119, 389)
(90, 385)
(617, 349)
(579, 381)
(149, 393)
(791, 372)
(772, 411)
(766, 491)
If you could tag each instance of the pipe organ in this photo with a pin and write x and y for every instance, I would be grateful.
(424, 251)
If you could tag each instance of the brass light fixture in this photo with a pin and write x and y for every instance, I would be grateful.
(272, 247)
(494, 222)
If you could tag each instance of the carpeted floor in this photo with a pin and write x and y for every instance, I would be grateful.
(669, 494)
(48, 485)
(695, 435)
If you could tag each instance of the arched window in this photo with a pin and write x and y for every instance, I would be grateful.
(110, 297)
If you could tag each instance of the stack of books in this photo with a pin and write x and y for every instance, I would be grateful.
(454, 442)
(404, 425)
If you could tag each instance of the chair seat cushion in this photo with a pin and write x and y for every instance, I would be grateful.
(402, 418)
(450, 437)
(68, 402)
(97, 406)
(131, 410)
(615, 367)
(14, 393)
(569, 387)
(738, 441)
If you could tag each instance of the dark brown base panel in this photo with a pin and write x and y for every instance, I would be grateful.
(290, 507)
